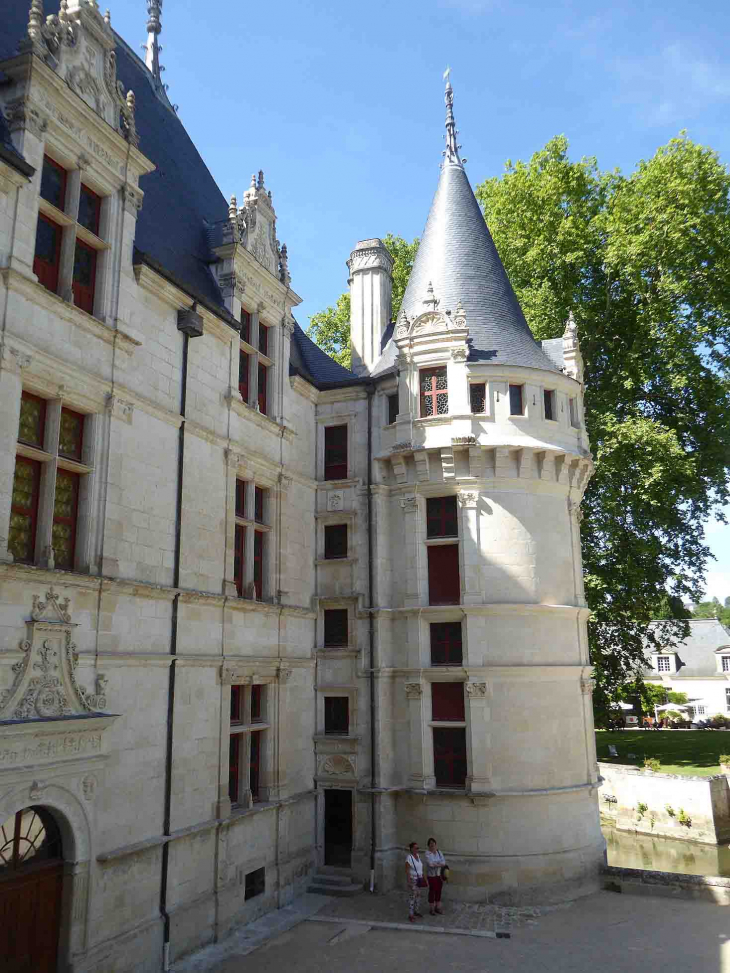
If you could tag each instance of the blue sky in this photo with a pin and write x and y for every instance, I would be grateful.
(342, 106)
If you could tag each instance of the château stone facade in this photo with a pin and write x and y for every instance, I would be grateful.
(259, 613)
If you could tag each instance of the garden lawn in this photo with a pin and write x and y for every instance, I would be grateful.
(691, 752)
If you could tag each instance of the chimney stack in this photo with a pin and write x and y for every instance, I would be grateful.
(371, 285)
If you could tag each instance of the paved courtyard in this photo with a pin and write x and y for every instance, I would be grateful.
(604, 933)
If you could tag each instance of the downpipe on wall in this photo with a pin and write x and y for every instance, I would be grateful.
(371, 635)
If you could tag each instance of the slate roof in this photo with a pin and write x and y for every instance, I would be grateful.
(458, 256)
(308, 360)
(696, 655)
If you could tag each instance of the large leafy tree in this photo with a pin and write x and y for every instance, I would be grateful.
(643, 262)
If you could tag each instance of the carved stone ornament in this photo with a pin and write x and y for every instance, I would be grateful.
(337, 765)
(467, 499)
(35, 791)
(414, 690)
(409, 504)
(120, 408)
(335, 500)
(21, 114)
(464, 441)
(45, 677)
(476, 689)
(458, 354)
(88, 787)
(404, 447)
(403, 360)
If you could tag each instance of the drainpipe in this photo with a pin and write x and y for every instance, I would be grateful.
(371, 637)
(191, 325)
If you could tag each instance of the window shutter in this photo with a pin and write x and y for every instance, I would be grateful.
(335, 626)
(335, 452)
(447, 701)
(444, 586)
(446, 647)
(449, 756)
(441, 518)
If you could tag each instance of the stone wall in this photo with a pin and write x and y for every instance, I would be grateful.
(689, 808)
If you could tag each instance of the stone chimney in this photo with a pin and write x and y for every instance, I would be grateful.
(371, 285)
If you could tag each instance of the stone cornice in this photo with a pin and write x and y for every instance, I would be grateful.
(578, 611)
(36, 293)
(303, 388)
(262, 421)
(352, 393)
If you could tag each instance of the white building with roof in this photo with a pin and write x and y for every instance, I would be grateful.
(261, 615)
(699, 667)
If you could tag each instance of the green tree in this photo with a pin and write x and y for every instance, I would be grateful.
(331, 328)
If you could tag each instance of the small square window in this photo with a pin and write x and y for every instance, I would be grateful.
(726, 663)
(447, 701)
(89, 209)
(392, 408)
(516, 407)
(337, 715)
(335, 626)
(549, 398)
(478, 397)
(255, 883)
(446, 649)
(663, 664)
(335, 541)
(53, 183)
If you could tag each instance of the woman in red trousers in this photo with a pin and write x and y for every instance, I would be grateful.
(435, 862)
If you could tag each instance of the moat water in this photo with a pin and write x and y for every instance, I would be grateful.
(628, 850)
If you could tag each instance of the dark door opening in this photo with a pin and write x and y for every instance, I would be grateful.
(338, 828)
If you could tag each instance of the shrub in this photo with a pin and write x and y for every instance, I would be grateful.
(724, 758)
(684, 818)
(652, 763)
(670, 810)
(641, 810)
(719, 721)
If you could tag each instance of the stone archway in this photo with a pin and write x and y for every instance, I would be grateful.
(31, 890)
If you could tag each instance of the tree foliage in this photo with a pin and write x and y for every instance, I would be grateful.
(713, 609)
(331, 328)
(643, 262)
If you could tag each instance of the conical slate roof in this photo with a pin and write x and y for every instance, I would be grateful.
(458, 256)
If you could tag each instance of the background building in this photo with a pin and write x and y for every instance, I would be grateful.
(699, 667)
(258, 613)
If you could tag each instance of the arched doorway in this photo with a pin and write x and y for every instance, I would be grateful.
(31, 885)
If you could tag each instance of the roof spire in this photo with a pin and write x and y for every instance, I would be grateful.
(451, 152)
(152, 47)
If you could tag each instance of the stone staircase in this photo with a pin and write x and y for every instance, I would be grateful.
(329, 880)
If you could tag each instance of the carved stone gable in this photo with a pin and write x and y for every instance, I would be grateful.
(44, 682)
(257, 225)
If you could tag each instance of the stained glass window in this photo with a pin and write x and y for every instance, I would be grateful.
(24, 512)
(478, 396)
(65, 509)
(32, 420)
(71, 435)
(434, 392)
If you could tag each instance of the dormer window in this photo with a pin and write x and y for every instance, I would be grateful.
(434, 392)
(726, 663)
(663, 663)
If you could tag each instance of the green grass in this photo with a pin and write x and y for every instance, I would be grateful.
(691, 752)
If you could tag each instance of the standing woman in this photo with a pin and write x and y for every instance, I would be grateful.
(435, 862)
(414, 880)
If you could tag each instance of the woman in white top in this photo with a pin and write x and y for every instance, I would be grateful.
(435, 862)
(414, 875)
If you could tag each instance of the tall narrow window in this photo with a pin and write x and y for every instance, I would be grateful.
(65, 512)
(256, 704)
(478, 397)
(240, 498)
(239, 559)
(32, 425)
(549, 398)
(434, 392)
(47, 259)
(246, 326)
(262, 393)
(444, 585)
(89, 209)
(84, 277)
(726, 663)
(335, 452)
(53, 183)
(516, 405)
(259, 497)
(24, 509)
(237, 702)
(573, 407)
(335, 541)
(446, 649)
(263, 339)
(447, 702)
(337, 715)
(258, 564)
(449, 756)
(254, 884)
(71, 435)
(255, 766)
(234, 767)
(392, 408)
(727, 700)
(441, 519)
(335, 627)
(243, 371)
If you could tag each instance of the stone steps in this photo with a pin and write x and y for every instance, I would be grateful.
(334, 881)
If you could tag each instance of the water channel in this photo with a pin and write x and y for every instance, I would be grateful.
(629, 850)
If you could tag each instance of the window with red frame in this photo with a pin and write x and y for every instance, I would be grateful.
(259, 499)
(239, 558)
(240, 498)
(245, 325)
(335, 626)
(84, 276)
(447, 701)
(234, 767)
(53, 183)
(24, 509)
(449, 756)
(243, 373)
(337, 715)
(237, 697)
(263, 339)
(71, 435)
(441, 518)
(263, 380)
(335, 452)
(335, 541)
(256, 704)
(446, 649)
(258, 564)
(32, 426)
(254, 771)
(89, 209)
(65, 514)
(47, 259)
(444, 585)
(434, 392)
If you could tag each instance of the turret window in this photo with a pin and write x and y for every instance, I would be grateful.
(516, 400)
(549, 399)
(434, 392)
(573, 406)
(478, 397)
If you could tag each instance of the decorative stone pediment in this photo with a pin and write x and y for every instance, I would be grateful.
(79, 45)
(44, 682)
(433, 322)
(337, 765)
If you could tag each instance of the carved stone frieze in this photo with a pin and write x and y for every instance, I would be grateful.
(132, 200)
(236, 675)
(337, 765)
(414, 690)
(463, 440)
(405, 446)
(22, 114)
(467, 499)
(476, 690)
(409, 504)
(458, 354)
